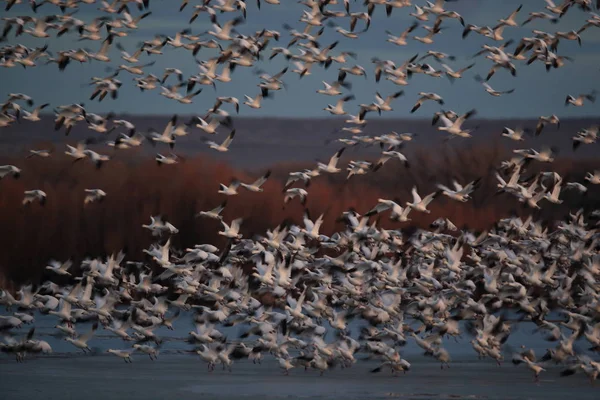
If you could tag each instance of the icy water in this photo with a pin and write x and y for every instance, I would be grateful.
(67, 374)
(185, 377)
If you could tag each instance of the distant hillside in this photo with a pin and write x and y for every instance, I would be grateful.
(260, 142)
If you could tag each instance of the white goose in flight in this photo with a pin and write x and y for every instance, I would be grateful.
(452, 75)
(256, 186)
(34, 116)
(543, 121)
(208, 127)
(231, 231)
(34, 195)
(513, 134)
(295, 192)
(579, 100)
(398, 213)
(230, 190)
(338, 109)
(401, 40)
(427, 96)
(168, 160)
(39, 153)
(419, 204)
(215, 213)
(254, 102)
(223, 147)
(167, 134)
(124, 354)
(490, 90)
(9, 170)
(455, 127)
(93, 195)
(331, 167)
(59, 268)
(459, 193)
(81, 341)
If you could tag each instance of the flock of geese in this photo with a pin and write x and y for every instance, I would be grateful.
(305, 287)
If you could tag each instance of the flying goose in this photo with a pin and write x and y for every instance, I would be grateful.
(215, 213)
(93, 195)
(427, 96)
(331, 167)
(578, 101)
(459, 193)
(231, 189)
(455, 127)
(419, 204)
(553, 119)
(124, 354)
(59, 268)
(10, 169)
(489, 89)
(166, 136)
(401, 40)
(295, 192)
(34, 195)
(223, 147)
(231, 231)
(81, 341)
(168, 160)
(255, 102)
(257, 185)
(338, 109)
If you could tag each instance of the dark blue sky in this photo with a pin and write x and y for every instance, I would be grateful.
(537, 92)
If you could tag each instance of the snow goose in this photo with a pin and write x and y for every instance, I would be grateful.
(223, 147)
(543, 121)
(257, 185)
(419, 204)
(231, 231)
(398, 213)
(460, 193)
(168, 160)
(331, 167)
(585, 136)
(34, 116)
(143, 348)
(124, 354)
(489, 89)
(9, 170)
(593, 178)
(386, 104)
(338, 109)
(97, 159)
(401, 40)
(81, 341)
(34, 195)
(427, 96)
(158, 226)
(215, 213)
(208, 127)
(255, 102)
(334, 88)
(230, 190)
(578, 101)
(93, 195)
(452, 75)
(560, 9)
(510, 21)
(59, 268)
(295, 192)
(455, 127)
(516, 134)
(223, 32)
(166, 136)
